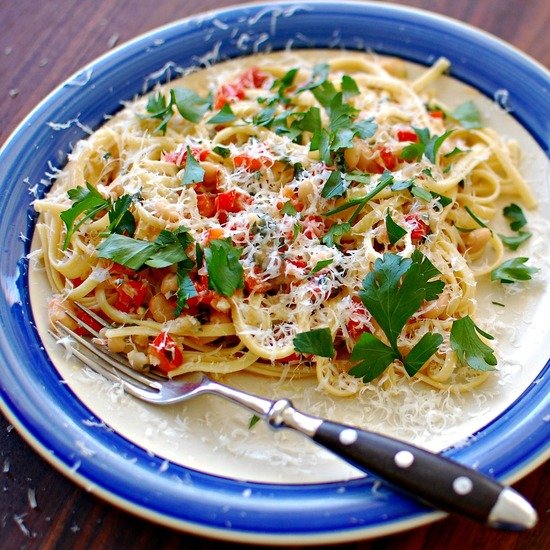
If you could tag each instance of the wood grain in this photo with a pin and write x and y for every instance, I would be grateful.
(41, 44)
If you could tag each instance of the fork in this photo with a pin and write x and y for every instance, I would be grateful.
(433, 479)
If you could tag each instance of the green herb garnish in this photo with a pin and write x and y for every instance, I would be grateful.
(321, 264)
(515, 216)
(515, 241)
(318, 76)
(167, 249)
(225, 272)
(296, 230)
(224, 152)
(427, 145)
(189, 104)
(517, 220)
(470, 350)
(421, 193)
(392, 293)
(443, 199)
(121, 219)
(358, 177)
(317, 341)
(468, 115)
(385, 180)
(186, 288)
(454, 152)
(254, 419)
(395, 231)
(289, 209)
(87, 203)
(335, 232)
(478, 220)
(335, 186)
(223, 116)
(132, 253)
(193, 172)
(513, 270)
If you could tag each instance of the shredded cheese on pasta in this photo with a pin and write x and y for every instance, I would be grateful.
(263, 190)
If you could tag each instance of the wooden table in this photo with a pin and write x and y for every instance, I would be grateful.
(41, 44)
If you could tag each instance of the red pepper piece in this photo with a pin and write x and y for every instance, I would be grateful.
(388, 158)
(437, 114)
(167, 352)
(419, 228)
(407, 135)
(232, 201)
(357, 326)
(206, 204)
(88, 320)
(131, 295)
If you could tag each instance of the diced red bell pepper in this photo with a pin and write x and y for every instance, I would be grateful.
(232, 201)
(179, 156)
(121, 270)
(419, 228)
(253, 78)
(166, 352)
(299, 263)
(314, 227)
(373, 167)
(212, 234)
(157, 274)
(254, 283)
(235, 90)
(385, 159)
(131, 295)
(388, 158)
(437, 114)
(251, 164)
(206, 204)
(407, 135)
(356, 327)
(228, 93)
(88, 320)
(204, 295)
(199, 154)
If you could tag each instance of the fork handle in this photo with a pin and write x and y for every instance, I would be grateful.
(432, 478)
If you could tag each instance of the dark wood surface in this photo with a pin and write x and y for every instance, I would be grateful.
(41, 44)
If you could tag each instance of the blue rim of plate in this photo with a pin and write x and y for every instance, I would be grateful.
(48, 414)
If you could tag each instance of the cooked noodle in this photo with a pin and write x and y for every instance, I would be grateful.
(279, 224)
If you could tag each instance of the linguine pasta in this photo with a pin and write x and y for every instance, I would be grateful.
(260, 210)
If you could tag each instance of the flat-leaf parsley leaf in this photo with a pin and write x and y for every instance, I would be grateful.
(394, 231)
(317, 341)
(193, 173)
(225, 272)
(427, 145)
(515, 215)
(392, 293)
(468, 115)
(470, 350)
(513, 270)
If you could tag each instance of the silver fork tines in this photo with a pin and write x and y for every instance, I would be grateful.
(110, 365)
(148, 386)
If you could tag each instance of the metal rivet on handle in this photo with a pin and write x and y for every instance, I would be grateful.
(404, 459)
(462, 485)
(348, 436)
